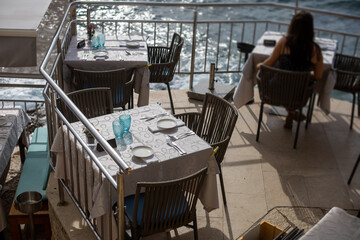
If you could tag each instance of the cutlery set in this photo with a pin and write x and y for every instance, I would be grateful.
(153, 117)
(175, 146)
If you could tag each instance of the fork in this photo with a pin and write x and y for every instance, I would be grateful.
(175, 146)
(181, 135)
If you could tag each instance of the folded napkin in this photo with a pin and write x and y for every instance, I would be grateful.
(1, 147)
(147, 160)
(154, 128)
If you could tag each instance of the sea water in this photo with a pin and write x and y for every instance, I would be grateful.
(351, 7)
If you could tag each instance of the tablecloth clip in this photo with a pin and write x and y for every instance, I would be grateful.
(215, 150)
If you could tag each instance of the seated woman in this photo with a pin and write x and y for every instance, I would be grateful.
(297, 51)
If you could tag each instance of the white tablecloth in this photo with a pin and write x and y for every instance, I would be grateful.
(14, 121)
(170, 165)
(118, 57)
(245, 89)
(337, 224)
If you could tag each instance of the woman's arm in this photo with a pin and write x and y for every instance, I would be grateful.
(318, 70)
(272, 59)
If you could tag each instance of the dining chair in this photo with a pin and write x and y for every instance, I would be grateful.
(120, 81)
(160, 206)
(288, 89)
(347, 71)
(215, 124)
(92, 102)
(163, 61)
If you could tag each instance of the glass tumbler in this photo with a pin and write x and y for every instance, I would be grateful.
(125, 121)
(117, 128)
(101, 40)
(94, 42)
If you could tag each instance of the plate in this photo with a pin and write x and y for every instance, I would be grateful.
(2, 121)
(132, 44)
(142, 151)
(166, 123)
(101, 54)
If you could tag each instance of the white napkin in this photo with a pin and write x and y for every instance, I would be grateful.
(1, 147)
(154, 128)
(147, 160)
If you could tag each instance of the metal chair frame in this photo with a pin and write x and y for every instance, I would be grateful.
(215, 124)
(163, 61)
(166, 205)
(284, 88)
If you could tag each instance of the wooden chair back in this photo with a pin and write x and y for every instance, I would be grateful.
(217, 123)
(92, 102)
(120, 81)
(279, 87)
(167, 205)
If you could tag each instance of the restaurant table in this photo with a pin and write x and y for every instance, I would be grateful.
(13, 122)
(118, 56)
(167, 163)
(245, 89)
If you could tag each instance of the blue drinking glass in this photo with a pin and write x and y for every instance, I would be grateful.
(125, 121)
(117, 128)
(128, 139)
(94, 42)
(101, 39)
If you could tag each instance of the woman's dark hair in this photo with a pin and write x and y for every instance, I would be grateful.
(300, 37)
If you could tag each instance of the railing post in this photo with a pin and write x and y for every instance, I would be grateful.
(120, 205)
(212, 77)
(193, 50)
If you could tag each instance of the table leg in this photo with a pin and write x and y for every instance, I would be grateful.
(22, 150)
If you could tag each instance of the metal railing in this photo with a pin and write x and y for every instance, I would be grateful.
(203, 45)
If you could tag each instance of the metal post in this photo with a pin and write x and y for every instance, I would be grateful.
(193, 51)
(212, 76)
(120, 204)
(88, 16)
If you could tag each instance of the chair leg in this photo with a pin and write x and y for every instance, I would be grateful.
(358, 94)
(352, 111)
(195, 228)
(353, 170)
(260, 120)
(171, 101)
(222, 185)
(297, 128)
(310, 110)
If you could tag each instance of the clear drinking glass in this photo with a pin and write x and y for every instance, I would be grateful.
(101, 40)
(94, 42)
(117, 128)
(125, 121)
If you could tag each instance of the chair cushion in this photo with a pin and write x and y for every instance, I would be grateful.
(129, 202)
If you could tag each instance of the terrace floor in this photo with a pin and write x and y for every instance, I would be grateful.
(260, 176)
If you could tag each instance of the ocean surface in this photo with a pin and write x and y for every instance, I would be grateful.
(351, 7)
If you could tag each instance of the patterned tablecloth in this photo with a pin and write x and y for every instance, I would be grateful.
(13, 122)
(245, 89)
(168, 165)
(119, 56)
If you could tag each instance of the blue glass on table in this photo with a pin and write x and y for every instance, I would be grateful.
(94, 42)
(125, 121)
(128, 139)
(117, 128)
(101, 39)
(120, 143)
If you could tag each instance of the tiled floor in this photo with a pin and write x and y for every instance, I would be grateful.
(261, 175)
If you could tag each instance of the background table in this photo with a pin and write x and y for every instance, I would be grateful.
(245, 88)
(118, 57)
(10, 133)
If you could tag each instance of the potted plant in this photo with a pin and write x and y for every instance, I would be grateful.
(90, 138)
(90, 30)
